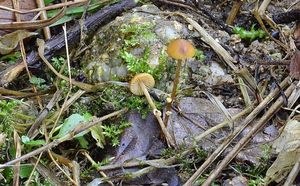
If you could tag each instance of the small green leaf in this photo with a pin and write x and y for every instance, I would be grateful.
(25, 171)
(36, 143)
(27, 141)
(47, 2)
(70, 123)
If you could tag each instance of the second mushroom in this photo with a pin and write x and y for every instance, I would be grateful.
(180, 50)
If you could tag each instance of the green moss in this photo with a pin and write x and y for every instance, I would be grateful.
(199, 55)
(135, 35)
(7, 115)
(250, 35)
(114, 131)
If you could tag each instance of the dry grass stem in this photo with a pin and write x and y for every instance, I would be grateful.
(236, 132)
(244, 141)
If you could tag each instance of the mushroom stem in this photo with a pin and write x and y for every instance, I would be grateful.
(168, 137)
(148, 97)
(157, 114)
(173, 94)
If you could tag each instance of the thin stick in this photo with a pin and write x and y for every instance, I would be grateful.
(44, 113)
(243, 125)
(94, 164)
(293, 174)
(234, 11)
(244, 141)
(55, 6)
(43, 16)
(16, 169)
(82, 127)
(32, 24)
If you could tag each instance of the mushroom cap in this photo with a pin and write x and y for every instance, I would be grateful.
(135, 83)
(180, 49)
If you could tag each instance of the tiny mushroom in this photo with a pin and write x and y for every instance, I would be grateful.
(139, 85)
(180, 50)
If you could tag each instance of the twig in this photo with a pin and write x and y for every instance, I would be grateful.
(43, 114)
(32, 24)
(234, 11)
(293, 174)
(76, 172)
(263, 7)
(61, 169)
(46, 172)
(43, 16)
(55, 6)
(94, 164)
(82, 127)
(237, 131)
(16, 169)
(257, 126)
(224, 123)
(33, 170)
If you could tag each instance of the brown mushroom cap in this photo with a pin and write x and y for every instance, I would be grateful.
(180, 49)
(135, 82)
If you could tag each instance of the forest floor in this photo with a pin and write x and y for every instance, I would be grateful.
(161, 92)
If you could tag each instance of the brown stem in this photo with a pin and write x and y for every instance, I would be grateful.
(148, 97)
(234, 11)
(157, 114)
(173, 94)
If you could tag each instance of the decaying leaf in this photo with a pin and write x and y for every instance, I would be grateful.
(296, 35)
(295, 66)
(10, 41)
(9, 16)
(287, 145)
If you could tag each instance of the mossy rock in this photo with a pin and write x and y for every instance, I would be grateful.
(133, 43)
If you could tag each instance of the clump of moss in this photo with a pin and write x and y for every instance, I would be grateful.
(135, 35)
(250, 35)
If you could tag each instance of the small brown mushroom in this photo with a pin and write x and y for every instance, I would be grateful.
(180, 50)
(139, 85)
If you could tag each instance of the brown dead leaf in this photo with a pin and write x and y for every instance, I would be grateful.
(288, 147)
(10, 41)
(8, 16)
(296, 35)
(295, 65)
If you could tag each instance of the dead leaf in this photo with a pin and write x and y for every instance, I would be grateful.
(288, 147)
(10, 41)
(295, 65)
(8, 16)
(296, 35)
(138, 140)
(10, 73)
